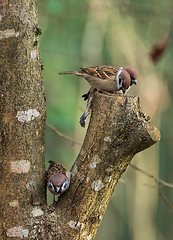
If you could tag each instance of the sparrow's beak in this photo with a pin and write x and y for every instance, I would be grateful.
(123, 88)
(124, 91)
(134, 81)
(57, 189)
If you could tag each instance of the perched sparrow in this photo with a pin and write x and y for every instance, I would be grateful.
(107, 78)
(57, 178)
(133, 77)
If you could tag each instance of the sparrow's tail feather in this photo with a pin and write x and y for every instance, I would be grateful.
(77, 73)
(70, 72)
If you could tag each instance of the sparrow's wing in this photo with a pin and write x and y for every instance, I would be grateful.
(54, 168)
(102, 72)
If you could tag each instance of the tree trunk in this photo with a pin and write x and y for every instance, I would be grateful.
(117, 131)
(22, 119)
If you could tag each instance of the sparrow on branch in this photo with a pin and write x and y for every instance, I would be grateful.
(57, 178)
(108, 78)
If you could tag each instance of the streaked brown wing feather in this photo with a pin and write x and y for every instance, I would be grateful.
(102, 72)
(90, 70)
(109, 70)
(54, 168)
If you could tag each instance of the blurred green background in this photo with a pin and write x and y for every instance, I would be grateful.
(96, 32)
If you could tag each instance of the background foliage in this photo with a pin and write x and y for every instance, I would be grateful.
(95, 32)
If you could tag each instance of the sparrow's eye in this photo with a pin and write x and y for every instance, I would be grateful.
(64, 185)
(134, 81)
(120, 79)
(51, 185)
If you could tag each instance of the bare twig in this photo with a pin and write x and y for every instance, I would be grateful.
(157, 181)
(149, 185)
(165, 184)
(62, 135)
(164, 198)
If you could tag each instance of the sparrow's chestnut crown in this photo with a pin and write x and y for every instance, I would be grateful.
(124, 80)
(133, 74)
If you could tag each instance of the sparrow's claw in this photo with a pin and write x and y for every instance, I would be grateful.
(85, 96)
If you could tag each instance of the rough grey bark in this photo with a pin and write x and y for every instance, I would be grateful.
(117, 131)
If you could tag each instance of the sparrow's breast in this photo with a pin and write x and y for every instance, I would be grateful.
(102, 84)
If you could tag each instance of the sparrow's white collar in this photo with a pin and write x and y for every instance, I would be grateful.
(118, 73)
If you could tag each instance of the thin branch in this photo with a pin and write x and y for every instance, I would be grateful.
(149, 185)
(157, 181)
(164, 198)
(62, 135)
(165, 184)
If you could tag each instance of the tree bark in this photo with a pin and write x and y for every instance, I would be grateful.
(22, 119)
(117, 131)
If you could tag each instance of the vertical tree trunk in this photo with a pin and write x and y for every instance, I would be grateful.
(22, 118)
